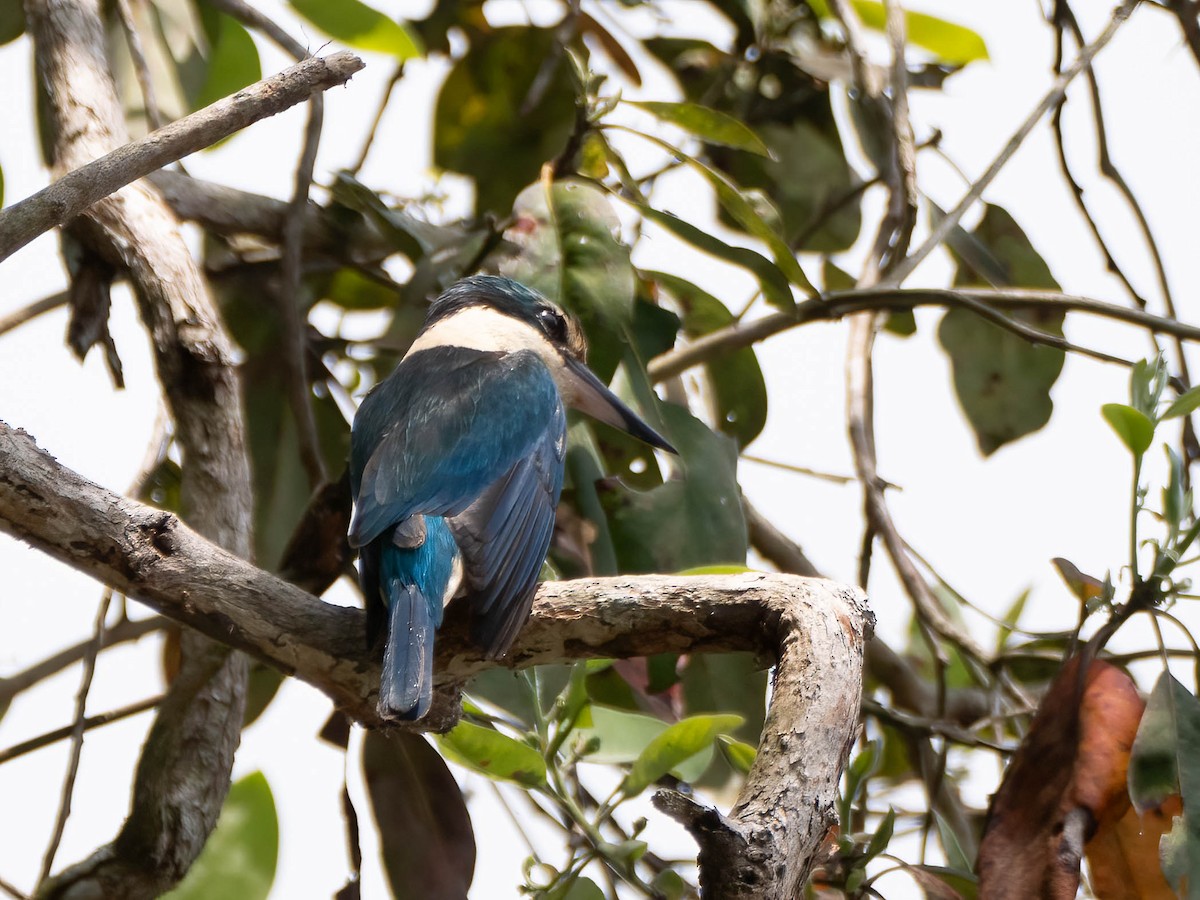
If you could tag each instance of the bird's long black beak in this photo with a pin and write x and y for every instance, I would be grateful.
(590, 395)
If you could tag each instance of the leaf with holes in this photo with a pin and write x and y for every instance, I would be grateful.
(494, 754)
(695, 520)
(738, 389)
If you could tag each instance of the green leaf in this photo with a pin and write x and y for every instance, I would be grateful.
(1147, 382)
(669, 884)
(511, 692)
(1173, 849)
(351, 289)
(860, 769)
(494, 754)
(737, 387)
(240, 856)
(733, 200)
(1164, 762)
(1184, 404)
(481, 128)
(12, 21)
(955, 855)
(281, 488)
(740, 754)
(1010, 619)
(565, 234)
(425, 833)
(261, 689)
(232, 60)
(727, 683)
(621, 737)
(680, 741)
(358, 25)
(582, 888)
(709, 125)
(771, 279)
(694, 520)
(949, 42)
(807, 178)
(1003, 382)
(882, 837)
(1132, 427)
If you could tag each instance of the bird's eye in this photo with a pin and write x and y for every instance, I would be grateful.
(553, 324)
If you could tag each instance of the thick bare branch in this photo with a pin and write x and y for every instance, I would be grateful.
(813, 629)
(226, 210)
(183, 774)
(95, 178)
(767, 845)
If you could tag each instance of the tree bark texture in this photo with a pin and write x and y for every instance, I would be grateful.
(812, 630)
(183, 774)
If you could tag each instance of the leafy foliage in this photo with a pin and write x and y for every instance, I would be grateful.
(239, 859)
(566, 171)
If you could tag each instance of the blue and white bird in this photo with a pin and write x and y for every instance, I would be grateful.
(456, 467)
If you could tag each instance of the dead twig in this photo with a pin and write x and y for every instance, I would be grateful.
(77, 729)
(51, 737)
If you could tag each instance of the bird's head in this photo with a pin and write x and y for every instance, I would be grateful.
(496, 314)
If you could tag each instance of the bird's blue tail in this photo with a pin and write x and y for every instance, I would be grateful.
(416, 583)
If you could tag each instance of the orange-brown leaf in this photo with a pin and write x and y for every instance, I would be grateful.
(1108, 723)
(1068, 775)
(1123, 854)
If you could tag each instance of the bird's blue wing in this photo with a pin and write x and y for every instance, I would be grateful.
(449, 422)
(504, 536)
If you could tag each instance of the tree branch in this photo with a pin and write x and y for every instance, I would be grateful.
(183, 773)
(839, 304)
(229, 211)
(812, 628)
(946, 224)
(75, 191)
(288, 295)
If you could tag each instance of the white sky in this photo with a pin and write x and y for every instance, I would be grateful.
(989, 526)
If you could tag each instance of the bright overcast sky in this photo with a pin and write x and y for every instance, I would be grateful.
(989, 526)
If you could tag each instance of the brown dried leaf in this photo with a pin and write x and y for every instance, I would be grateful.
(1068, 775)
(1123, 855)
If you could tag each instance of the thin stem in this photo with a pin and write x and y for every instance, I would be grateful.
(141, 71)
(28, 313)
(946, 224)
(51, 737)
(836, 305)
(1135, 508)
(374, 129)
(85, 685)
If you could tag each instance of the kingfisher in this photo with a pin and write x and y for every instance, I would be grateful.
(456, 466)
